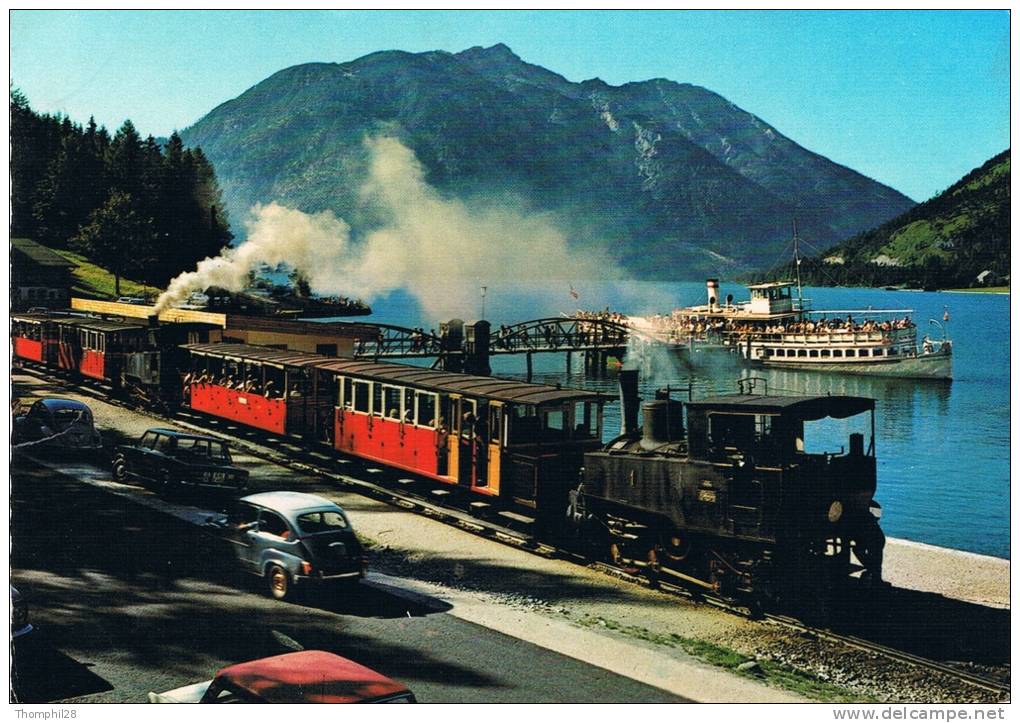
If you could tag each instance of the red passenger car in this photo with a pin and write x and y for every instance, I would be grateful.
(274, 390)
(83, 345)
(34, 338)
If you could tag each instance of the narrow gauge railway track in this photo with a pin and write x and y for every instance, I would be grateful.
(257, 444)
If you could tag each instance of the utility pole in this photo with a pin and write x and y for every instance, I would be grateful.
(485, 290)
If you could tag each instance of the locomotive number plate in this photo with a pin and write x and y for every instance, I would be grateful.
(706, 495)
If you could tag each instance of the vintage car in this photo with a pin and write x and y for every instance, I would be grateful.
(174, 461)
(55, 424)
(19, 615)
(309, 676)
(291, 540)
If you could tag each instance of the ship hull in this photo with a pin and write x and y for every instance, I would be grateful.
(938, 365)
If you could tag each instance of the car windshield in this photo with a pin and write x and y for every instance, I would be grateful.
(325, 521)
(203, 448)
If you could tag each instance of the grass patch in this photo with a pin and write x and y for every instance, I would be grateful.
(96, 282)
(775, 674)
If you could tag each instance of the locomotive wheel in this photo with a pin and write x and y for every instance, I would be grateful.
(675, 546)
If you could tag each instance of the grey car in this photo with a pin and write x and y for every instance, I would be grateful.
(56, 425)
(292, 540)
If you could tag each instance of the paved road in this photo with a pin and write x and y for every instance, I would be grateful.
(128, 600)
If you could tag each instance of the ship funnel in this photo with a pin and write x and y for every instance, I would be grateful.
(712, 286)
(629, 401)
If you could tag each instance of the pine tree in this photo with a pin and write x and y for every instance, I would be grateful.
(113, 234)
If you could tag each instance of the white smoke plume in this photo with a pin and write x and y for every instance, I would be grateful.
(437, 248)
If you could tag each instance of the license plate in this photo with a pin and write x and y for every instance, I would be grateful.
(219, 476)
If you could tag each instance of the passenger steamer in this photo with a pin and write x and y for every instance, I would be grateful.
(774, 329)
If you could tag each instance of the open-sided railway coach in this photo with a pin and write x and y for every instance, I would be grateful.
(516, 442)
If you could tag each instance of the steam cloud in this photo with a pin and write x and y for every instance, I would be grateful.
(430, 245)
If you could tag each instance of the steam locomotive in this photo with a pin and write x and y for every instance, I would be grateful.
(721, 494)
(732, 501)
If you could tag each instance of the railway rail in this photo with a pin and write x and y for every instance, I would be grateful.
(319, 464)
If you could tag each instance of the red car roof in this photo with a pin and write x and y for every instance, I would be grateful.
(310, 676)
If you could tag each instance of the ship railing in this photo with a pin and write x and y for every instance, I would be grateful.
(834, 336)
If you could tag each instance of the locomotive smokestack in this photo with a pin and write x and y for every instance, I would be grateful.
(712, 286)
(629, 401)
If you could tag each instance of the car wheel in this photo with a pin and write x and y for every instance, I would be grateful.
(120, 470)
(278, 582)
(167, 488)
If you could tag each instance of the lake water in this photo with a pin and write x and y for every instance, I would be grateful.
(943, 448)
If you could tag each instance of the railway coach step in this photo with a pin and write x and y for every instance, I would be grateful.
(517, 517)
(439, 493)
(405, 481)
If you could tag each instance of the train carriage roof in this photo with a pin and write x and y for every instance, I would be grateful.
(806, 408)
(504, 390)
(83, 322)
(260, 354)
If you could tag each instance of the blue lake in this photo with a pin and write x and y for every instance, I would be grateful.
(943, 448)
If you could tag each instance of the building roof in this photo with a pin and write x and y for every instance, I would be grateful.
(310, 676)
(807, 408)
(38, 254)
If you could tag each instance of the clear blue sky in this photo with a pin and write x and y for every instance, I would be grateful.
(914, 99)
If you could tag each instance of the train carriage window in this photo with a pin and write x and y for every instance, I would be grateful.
(273, 387)
(347, 392)
(468, 416)
(408, 406)
(427, 403)
(362, 397)
(391, 399)
(377, 399)
(448, 412)
(553, 419)
(495, 422)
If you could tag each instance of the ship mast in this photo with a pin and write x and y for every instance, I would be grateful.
(796, 259)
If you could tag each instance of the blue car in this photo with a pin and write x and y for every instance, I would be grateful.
(293, 540)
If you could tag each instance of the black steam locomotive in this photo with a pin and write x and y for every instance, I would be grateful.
(731, 501)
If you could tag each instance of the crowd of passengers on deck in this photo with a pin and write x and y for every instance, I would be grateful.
(822, 326)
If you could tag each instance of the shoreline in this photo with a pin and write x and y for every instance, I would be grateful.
(927, 546)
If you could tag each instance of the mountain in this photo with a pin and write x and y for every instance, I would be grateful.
(949, 241)
(675, 178)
